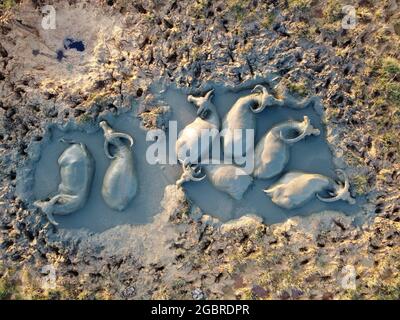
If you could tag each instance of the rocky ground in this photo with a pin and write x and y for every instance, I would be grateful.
(131, 44)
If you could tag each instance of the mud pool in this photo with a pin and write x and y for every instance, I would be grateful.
(309, 155)
(96, 215)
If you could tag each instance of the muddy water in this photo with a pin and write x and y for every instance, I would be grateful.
(309, 155)
(96, 215)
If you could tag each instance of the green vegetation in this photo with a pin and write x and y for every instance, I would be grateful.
(390, 67)
(352, 295)
(151, 17)
(7, 4)
(199, 7)
(6, 286)
(268, 20)
(389, 80)
(299, 4)
(178, 284)
(388, 292)
(238, 8)
(298, 88)
(332, 11)
(85, 118)
(247, 294)
(360, 184)
(241, 9)
(5, 289)
(393, 93)
(384, 94)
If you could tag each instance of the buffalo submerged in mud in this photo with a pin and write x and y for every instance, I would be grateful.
(120, 181)
(76, 169)
(272, 158)
(296, 188)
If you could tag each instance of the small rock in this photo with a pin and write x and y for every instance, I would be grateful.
(259, 291)
(198, 294)
(128, 292)
(296, 293)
